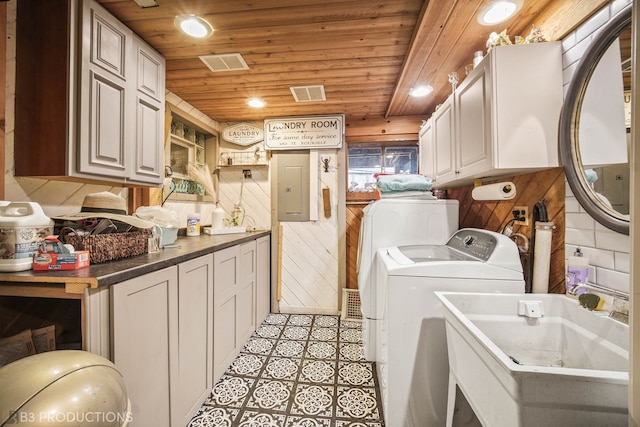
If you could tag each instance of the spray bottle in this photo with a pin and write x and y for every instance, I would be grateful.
(577, 271)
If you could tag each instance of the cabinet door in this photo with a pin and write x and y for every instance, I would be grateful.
(149, 126)
(234, 296)
(140, 313)
(191, 339)
(473, 122)
(443, 137)
(427, 150)
(105, 115)
(263, 278)
(225, 303)
(527, 101)
(246, 311)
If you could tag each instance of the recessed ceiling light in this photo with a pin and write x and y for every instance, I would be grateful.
(256, 103)
(421, 91)
(194, 26)
(498, 11)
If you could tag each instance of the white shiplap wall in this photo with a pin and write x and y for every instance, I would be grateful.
(253, 194)
(607, 250)
(310, 250)
(256, 192)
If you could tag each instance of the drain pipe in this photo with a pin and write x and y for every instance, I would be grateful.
(541, 236)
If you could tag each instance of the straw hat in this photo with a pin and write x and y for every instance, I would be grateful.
(106, 205)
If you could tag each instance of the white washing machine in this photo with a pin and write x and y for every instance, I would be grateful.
(413, 367)
(396, 222)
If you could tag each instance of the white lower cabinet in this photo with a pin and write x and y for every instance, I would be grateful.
(163, 341)
(263, 278)
(175, 331)
(234, 303)
(141, 331)
(191, 339)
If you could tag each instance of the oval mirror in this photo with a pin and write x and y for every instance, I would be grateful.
(595, 126)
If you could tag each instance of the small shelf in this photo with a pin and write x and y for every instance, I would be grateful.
(243, 158)
(187, 133)
(187, 147)
(244, 165)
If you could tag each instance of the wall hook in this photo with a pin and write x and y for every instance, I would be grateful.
(325, 164)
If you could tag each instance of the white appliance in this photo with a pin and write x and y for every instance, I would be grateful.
(396, 222)
(413, 366)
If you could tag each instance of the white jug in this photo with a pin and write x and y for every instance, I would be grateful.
(23, 225)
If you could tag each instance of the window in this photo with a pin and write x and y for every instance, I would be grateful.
(365, 161)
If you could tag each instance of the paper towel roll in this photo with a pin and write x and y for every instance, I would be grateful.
(542, 257)
(497, 191)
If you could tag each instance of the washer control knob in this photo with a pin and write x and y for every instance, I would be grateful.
(469, 240)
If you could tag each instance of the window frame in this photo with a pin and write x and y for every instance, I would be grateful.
(365, 197)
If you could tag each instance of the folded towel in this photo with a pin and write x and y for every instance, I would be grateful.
(403, 182)
(422, 195)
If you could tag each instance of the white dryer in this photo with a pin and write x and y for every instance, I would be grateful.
(413, 367)
(396, 222)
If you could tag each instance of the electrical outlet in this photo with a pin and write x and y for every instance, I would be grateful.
(521, 215)
(246, 173)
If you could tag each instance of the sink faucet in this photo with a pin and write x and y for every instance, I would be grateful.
(619, 301)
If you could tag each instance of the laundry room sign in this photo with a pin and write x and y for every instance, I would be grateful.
(294, 133)
(243, 134)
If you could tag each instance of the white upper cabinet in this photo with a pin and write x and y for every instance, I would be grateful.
(149, 160)
(101, 113)
(444, 142)
(473, 123)
(106, 122)
(504, 115)
(426, 165)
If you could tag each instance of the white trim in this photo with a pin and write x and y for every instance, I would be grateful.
(314, 158)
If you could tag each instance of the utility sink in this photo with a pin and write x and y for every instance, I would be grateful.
(536, 360)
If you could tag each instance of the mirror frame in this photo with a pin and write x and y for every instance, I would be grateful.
(570, 125)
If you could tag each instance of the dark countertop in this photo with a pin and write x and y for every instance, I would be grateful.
(109, 273)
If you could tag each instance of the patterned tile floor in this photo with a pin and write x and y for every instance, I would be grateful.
(297, 370)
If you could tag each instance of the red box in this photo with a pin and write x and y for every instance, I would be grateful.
(54, 261)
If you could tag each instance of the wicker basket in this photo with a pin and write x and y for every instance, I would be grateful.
(112, 246)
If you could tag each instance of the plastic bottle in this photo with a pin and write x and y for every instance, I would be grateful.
(193, 224)
(477, 57)
(24, 226)
(577, 271)
(217, 218)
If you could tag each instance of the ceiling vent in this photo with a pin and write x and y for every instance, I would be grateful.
(308, 93)
(146, 3)
(226, 62)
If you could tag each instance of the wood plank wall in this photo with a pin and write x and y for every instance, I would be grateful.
(494, 215)
(354, 218)
(530, 188)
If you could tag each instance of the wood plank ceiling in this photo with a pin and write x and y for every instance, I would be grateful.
(367, 54)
